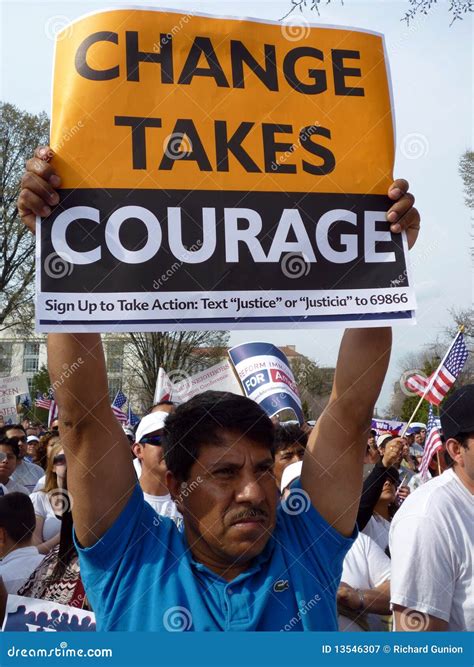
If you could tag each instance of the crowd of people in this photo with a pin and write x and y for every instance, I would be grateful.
(407, 555)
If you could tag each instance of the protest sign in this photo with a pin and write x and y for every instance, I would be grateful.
(10, 388)
(387, 425)
(267, 378)
(216, 174)
(25, 614)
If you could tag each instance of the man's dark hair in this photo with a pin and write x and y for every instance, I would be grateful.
(462, 438)
(9, 427)
(284, 436)
(17, 516)
(201, 420)
(12, 443)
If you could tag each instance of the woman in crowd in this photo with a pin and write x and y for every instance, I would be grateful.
(57, 578)
(47, 442)
(49, 501)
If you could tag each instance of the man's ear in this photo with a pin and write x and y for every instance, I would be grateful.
(174, 487)
(453, 447)
(137, 449)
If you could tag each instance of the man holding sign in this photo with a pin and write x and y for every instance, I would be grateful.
(244, 562)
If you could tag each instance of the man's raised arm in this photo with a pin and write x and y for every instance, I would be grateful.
(99, 465)
(332, 465)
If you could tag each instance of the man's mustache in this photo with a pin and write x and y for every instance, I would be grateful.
(249, 513)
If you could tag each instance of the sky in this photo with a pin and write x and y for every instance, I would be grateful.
(431, 70)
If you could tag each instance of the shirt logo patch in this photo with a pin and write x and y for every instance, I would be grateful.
(281, 585)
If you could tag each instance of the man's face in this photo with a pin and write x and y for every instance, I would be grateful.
(284, 457)
(230, 513)
(151, 456)
(371, 441)
(7, 463)
(18, 433)
(419, 439)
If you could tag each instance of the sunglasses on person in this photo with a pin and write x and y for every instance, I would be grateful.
(59, 460)
(15, 439)
(152, 440)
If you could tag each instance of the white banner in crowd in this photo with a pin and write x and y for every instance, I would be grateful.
(32, 615)
(10, 388)
(217, 378)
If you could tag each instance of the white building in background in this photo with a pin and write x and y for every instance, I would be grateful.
(27, 354)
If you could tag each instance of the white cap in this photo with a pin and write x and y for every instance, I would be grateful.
(151, 423)
(383, 439)
(30, 438)
(290, 473)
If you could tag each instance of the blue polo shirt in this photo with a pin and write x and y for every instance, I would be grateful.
(141, 576)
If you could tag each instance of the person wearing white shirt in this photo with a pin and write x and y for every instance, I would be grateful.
(378, 526)
(364, 592)
(26, 473)
(49, 502)
(149, 452)
(9, 452)
(432, 535)
(19, 558)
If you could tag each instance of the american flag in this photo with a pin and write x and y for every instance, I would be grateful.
(435, 388)
(132, 418)
(42, 401)
(432, 444)
(53, 412)
(117, 405)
